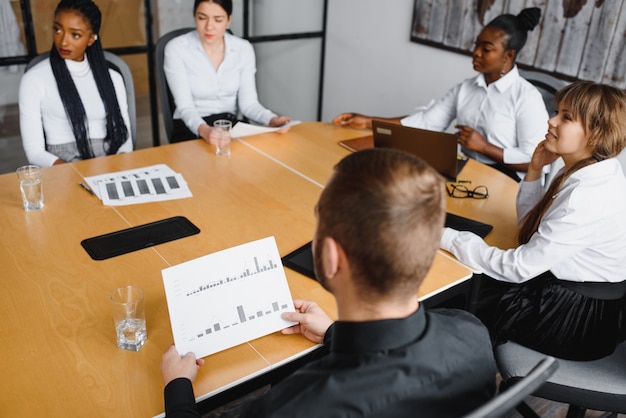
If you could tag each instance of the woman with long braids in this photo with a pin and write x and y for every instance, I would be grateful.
(498, 113)
(72, 106)
(562, 291)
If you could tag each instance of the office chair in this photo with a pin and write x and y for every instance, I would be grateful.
(119, 65)
(506, 401)
(547, 86)
(598, 384)
(165, 96)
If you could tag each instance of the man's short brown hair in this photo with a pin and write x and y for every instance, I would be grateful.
(386, 209)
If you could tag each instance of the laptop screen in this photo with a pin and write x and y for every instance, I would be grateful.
(439, 149)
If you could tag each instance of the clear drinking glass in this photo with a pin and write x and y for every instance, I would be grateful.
(31, 187)
(223, 127)
(129, 316)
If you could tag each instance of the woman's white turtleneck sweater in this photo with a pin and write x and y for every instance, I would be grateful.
(42, 111)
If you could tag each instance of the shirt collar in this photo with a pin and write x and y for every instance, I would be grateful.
(503, 83)
(601, 169)
(228, 41)
(78, 68)
(376, 335)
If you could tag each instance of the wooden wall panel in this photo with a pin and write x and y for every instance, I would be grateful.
(528, 54)
(582, 39)
(574, 37)
(601, 32)
(438, 15)
(458, 16)
(616, 63)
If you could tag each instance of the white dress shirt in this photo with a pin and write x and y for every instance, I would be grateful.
(509, 113)
(581, 236)
(42, 111)
(199, 90)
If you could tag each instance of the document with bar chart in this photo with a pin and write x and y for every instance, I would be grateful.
(227, 298)
(153, 183)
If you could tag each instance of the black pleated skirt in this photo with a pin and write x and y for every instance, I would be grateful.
(180, 132)
(564, 319)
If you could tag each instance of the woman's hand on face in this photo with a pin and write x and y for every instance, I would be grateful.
(542, 157)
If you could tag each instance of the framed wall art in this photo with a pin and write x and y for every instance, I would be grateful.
(575, 39)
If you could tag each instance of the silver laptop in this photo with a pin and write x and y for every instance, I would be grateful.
(439, 149)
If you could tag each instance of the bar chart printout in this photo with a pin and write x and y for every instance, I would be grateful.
(154, 183)
(227, 298)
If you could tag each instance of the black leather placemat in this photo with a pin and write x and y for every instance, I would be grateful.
(461, 223)
(138, 237)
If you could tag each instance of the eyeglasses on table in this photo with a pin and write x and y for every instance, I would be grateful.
(461, 191)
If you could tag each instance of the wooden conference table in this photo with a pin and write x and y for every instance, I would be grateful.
(59, 356)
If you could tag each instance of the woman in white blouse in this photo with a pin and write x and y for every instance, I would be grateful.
(562, 290)
(498, 113)
(72, 107)
(211, 75)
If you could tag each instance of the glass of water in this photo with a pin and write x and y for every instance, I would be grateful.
(129, 316)
(223, 128)
(31, 187)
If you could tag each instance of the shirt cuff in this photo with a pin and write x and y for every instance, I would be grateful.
(447, 238)
(531, 188)
(267, 118)
(515, 156)
(179, 398)
(329, 334)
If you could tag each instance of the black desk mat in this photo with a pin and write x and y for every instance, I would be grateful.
(138, 237)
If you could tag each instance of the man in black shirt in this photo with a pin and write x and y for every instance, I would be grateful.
(379, 221)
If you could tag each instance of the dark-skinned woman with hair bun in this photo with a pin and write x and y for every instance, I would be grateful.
(499, 115)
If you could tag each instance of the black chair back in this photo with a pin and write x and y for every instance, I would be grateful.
(507, 400)
(165, 96)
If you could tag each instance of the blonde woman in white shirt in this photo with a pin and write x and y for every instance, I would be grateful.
(562, 291)
(211, 75)
(498, 113)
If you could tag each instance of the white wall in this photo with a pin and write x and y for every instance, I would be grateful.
(288, 72)
(372, 67)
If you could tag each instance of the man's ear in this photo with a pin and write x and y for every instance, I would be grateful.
(330, 257)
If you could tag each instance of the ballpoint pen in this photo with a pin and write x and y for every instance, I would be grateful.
(81, 184)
